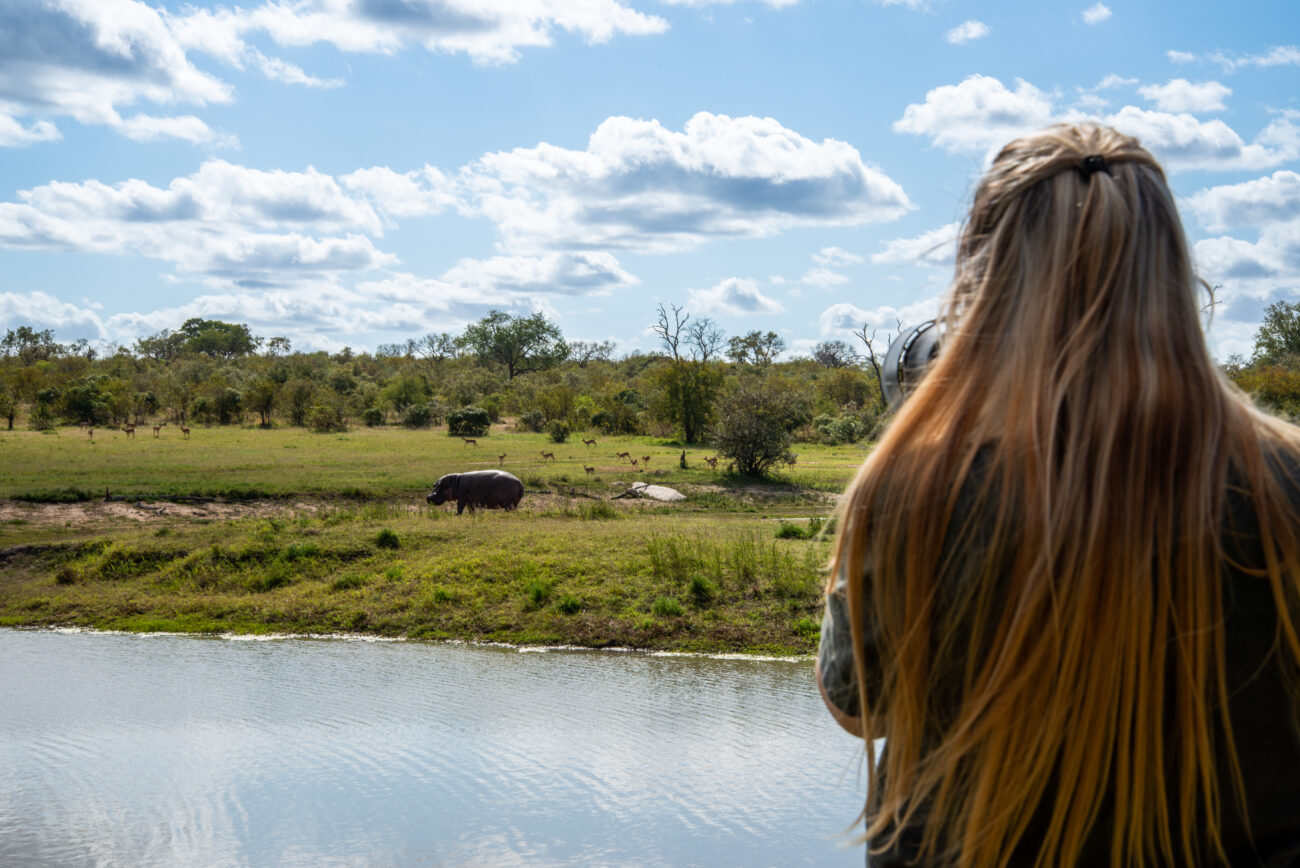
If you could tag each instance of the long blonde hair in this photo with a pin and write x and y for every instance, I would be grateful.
(1035, 542)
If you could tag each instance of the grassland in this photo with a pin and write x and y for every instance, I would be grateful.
(250, 530)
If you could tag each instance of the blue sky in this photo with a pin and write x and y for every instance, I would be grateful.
(358, 172)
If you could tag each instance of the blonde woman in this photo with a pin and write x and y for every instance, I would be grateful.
(1065, 591)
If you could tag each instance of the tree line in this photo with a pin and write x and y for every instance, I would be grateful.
(701, 386)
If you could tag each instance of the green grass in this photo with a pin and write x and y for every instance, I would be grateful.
(347, 544)
(364, 464)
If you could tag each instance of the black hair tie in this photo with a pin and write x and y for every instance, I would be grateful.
(1093, 163)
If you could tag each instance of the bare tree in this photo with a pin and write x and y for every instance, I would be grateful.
(706, 338)
(872, 356)
(589, 351)
(834, 354)
(671, 332)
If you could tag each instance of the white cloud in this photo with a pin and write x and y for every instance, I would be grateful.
(1181, 141)
(775, 4)
(977, 114)
(735, 295)
(841, 320)
(966, 31)
(936, 247)
(1252, 203)
(409, 194)
(41, 310)
(88, 58)
(981, 114)
(144, 128)
(225, 222)
(1181, 95)
(488, 31)
(1180, 56)
(836, 256)
(14, 134)
(1280, 55)
(823, 277)
(287, 73)
(640, 186)
(1253, 266)
(1096, 14)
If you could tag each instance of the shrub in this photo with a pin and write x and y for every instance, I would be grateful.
(468, 422)
(324, 419)
(387, 539)
(836, 431)
(702, 589)
(373, 417)
(417, 416)
(569, 605)
(667, 607)
(538, 592)
(533, 421)
(558, 431)
(598, 510)
(754, 425)
(347, 582)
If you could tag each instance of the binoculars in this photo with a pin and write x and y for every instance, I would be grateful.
(906, 360)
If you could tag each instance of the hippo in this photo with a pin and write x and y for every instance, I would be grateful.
(486, 488)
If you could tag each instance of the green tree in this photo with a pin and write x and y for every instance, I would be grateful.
(218, 339)
(684, 395)
(261, 397)
(755, 348)
(29, 346)
(685, 388)
(1278, 340)
(755, 426)
(521, 344)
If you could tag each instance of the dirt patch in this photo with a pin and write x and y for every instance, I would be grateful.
(144, 511)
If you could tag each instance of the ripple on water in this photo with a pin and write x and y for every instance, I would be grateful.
(177, 750)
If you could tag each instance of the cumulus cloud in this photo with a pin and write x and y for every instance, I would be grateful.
(1265, 200)
(966, 31)
(844, 318)
(86, 59)
(1279, 55)
(225, 221)
(488, 31)
(1180, 56)
(823, 277)
(1181, 95)
(641, 186)
(836, 256)
(977, 114)
(735, 295)
(145, 128)
(981, 113)
(14, 134)
(1181, 141)
(1253, 266)
(775, 4)
(936, 247)
(42, 311)
(405, 194)
(1096, 14)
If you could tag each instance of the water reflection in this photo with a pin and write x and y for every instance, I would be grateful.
(118, 749)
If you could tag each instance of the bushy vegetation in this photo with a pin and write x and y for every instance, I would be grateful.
(518, 369)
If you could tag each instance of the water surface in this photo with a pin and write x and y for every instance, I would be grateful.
(171, 750)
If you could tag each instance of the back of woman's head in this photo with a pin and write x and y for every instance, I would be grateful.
(1040, 529)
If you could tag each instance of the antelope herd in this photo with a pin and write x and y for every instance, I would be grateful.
(640, 464)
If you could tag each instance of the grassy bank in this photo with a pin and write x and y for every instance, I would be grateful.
(575, 565)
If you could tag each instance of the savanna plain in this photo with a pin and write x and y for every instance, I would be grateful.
(250, 530)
